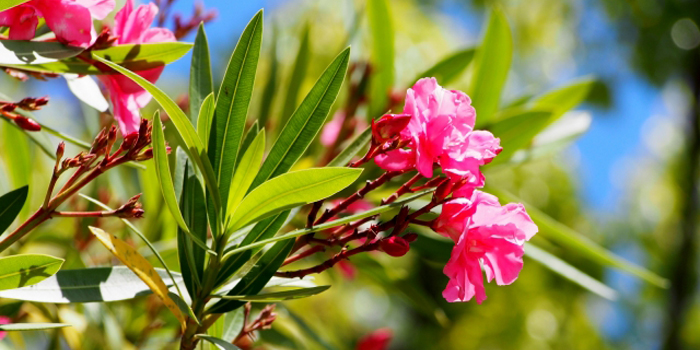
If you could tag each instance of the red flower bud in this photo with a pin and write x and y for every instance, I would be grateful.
(389, 126)
(27, 124)
(129, 140)
(377, 340)
(394, 246)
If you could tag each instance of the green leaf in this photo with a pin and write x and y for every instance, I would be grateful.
(233, 324)
(201, 83)
(382, 31)
(276, 296)
(254, 281)
(262, 230)
(7, 4)
(160, 159)
(491, 66)
(301, 63)
(450, 67)
(246, 171)
(23, 52)
(31, 326)
(551, 229)
(195, 149)
(27, 269)
(517, 131)
(290, 190)
(569, 272)
(97, 284)
(344, 220)
(221, 344)
(11, 204)
(360, 141)
(307, 120)
(206, 115)
(193, 206)
(232, 105)
(135, 57)
(247, 140)
(564, 98)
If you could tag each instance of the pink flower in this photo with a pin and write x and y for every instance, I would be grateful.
(377, 340)
(486, 235)
(132, 26)
(441, 131)
(389, 126)
(70, 20)
(4, 320)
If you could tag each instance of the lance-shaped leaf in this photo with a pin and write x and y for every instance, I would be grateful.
(141, 267)
(160, 159)
(246, 171)
(201, 83)
(256, 279)
(31, 326)
(27, 269)
(204, 120)
(552, 229)
(11, 204)
(517, 131)
(268, 95)
(135, 57)
(449, 68)
(194, 209)
(357, 144)
(274, 297)
(22, 52)
(380, 23)
(289, 190)
(220, 343)
(306, 121)
(232, 105)
(491, 66)
(565, 98)
(195, 149)
(96, 284)
(301, 63)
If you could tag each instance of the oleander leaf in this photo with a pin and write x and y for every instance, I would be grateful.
(31, 326)
(357, 144)
(21, 270)
(220, 343)
(274, 297)
(24, 52)
(450, 67)
(11, 204)
(381, 27)
(246, 171)
(201, 83)
(301, 63)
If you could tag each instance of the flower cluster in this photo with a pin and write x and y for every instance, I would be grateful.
(436, 131)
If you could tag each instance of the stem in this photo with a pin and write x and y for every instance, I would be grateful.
(345, 254)
(84, 214)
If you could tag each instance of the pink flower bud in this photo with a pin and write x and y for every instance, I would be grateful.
(389, 126)
(394, 246)
(27, 124)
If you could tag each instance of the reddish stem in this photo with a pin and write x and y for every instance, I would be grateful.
(345, 254)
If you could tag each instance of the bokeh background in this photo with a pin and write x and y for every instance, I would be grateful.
(629, 183)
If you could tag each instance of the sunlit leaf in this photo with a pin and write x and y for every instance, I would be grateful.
(7, 4)
(357, 144)
(21, 52)
(517, 131)
(449, 68)
(491, 65)
(11, 204)
(306, 121)
(289, 190)
(27, 269)
(96, 284)
(221, 344)
(31, 326)
(564, 98)
(246, 171)
(204, 120)
(141, 267)
(193, 206)
(201, 83)
(276, 296)
(380, 23)
(232, 105)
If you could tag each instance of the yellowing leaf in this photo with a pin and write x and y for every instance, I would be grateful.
(141, 267)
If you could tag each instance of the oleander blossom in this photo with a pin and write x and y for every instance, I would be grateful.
(486, 235)
(132, 26)
(70, 20)
(441, 131)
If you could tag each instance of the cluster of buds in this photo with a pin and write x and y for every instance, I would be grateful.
(184, 27)
(9, 111)
(131, 209)
(23, 75)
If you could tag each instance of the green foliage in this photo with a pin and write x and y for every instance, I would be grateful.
(201, 83)
(278, 296)
(380, 22)
(26, 269)
(11, 204)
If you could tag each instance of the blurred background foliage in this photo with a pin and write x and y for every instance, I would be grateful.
(629, 184)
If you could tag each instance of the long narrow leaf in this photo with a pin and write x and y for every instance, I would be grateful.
(205, 118)
(382, 30)
(306, 121)
(201, 83)
(449, 68)
(31, 326)
(11, 204)
(301, 63)
(344, 157)
(276, 296)
(232, 105)
(246, 171)
(26, 269)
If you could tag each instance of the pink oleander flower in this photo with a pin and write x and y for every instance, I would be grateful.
(4, 320)
(441, 131)
(70, 20)
(377, 340)
(486, 235)
(132, 26)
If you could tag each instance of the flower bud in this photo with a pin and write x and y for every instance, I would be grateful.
(129, 140)
(377, 340)
(389, 126)
(33, 103)
(395, 246)
(27, 124)
(60, 150)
